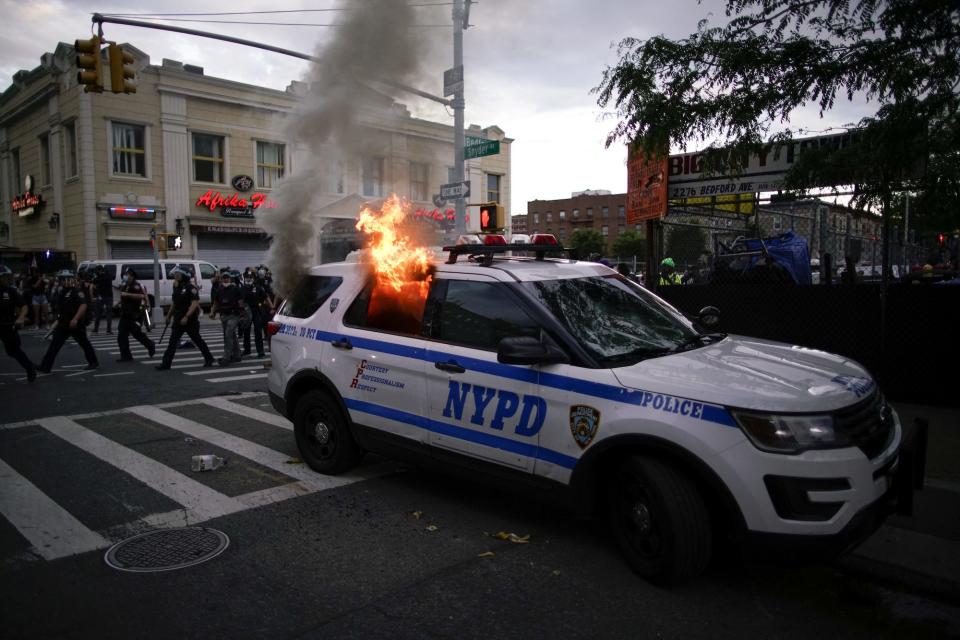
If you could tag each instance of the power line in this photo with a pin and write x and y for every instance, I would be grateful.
(251, 13)
(263, 24)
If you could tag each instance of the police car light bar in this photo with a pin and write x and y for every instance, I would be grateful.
(489, 250)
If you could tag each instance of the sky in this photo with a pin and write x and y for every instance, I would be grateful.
(529, 66)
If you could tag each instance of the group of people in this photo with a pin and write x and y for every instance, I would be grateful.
(244, 303)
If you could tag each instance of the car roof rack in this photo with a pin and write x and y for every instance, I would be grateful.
(486, 252)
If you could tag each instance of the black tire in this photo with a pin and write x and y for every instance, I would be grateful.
(323, 434)
(659, 520)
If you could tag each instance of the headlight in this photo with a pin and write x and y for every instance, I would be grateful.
(791, 434)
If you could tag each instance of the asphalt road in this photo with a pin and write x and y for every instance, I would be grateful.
(387, 551)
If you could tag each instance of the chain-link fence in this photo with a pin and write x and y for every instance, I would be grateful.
(747, 266)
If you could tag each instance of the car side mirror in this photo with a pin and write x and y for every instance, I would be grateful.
(709, 317)
(527, 350)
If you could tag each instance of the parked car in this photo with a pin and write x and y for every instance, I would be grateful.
(200, 271)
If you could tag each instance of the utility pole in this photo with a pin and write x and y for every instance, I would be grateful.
(458, 124)
(906, 234)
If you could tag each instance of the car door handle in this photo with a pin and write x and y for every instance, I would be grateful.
(450, 366)
(342, 343)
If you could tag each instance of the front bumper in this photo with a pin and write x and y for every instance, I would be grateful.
(903, 473)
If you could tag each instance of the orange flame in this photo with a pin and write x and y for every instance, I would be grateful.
(400, 266)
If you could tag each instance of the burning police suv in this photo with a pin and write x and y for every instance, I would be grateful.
(566, 376)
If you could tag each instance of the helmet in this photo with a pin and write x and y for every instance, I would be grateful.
(928, 268)
(66, 273)
(129, 271)
(667, 262)
(178, 269)
(5, 270)
(226, 274)
(235, 274)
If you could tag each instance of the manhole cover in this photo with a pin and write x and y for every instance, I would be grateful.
(167, 549)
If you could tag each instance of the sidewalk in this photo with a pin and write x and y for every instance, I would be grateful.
(922, 551)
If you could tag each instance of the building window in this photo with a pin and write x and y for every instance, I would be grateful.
(372, 177)
(576, 213)
(536, 218)
(208, 154)
(419, 173)
(562, 233)
(549, 216)
(333, 177)
(70, 148)
(590, 212)
(604, 212)
(15, 177)
(636, 228)
(270, 163)
(45, 160)
(129, 149)
(620, 229)
(535, 232)
(621, 212)
(563, 215)
(493, 188)
(605, 230)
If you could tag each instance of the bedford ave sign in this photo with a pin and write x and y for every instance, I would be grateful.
(765, 170)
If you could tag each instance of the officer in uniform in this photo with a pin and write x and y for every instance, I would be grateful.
(13, 311)
(72, 305)
(185, 312)
(229, 304)
(104, 292)
(132, 301)
(257, 299)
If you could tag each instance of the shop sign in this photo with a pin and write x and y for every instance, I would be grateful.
(28, 202)
(237, 212)
(218, 228)
(242, 183)
(214, 200)
(132, 213)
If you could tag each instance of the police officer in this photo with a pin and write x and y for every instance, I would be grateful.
(257, 299)
(103, 285)
(229, 304)
(13, 311)
(72, 305)
(185, 312)
(133, 299)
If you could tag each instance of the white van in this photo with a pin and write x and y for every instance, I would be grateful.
(200, 270)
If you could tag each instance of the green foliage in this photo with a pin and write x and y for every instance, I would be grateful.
(630, 243)
(587, 242)
(731, 85)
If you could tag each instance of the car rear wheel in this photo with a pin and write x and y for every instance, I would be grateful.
(323, 435)
(659, 520)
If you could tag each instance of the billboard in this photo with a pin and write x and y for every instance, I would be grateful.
(765, 170)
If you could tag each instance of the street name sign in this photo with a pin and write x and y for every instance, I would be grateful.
(477, 147)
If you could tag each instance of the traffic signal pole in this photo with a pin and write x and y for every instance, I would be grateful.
(460, 207)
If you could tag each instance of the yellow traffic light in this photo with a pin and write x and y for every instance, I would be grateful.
(88, 64)
(120, 72)
(491, 217)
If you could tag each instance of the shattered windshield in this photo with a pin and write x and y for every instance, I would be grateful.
(616, 322)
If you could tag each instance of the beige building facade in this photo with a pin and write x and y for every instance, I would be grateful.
(199, 156)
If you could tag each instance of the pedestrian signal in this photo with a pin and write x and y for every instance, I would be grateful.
(174, 243)
(491, 217)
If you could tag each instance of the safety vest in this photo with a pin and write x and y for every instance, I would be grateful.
(673, 278)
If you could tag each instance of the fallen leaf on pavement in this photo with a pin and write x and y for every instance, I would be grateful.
(512, 537)
(432, 527)
(486, 554)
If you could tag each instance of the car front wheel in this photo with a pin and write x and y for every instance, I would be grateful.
(659, 520)
(323, 435)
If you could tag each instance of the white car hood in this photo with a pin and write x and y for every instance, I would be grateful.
(749, 373)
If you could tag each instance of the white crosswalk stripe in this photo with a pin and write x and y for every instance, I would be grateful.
(53, 532)
(185, 358)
